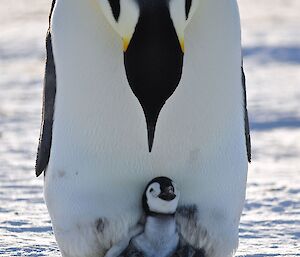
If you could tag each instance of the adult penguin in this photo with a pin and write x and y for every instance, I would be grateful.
(172, 104)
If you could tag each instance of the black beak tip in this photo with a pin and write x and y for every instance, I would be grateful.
(167, 196)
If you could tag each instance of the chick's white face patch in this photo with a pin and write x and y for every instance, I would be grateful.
(153, 190)
(159, 205)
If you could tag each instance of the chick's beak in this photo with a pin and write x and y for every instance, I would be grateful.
(168, 194)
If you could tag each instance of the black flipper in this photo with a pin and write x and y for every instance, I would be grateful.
(45, 140)
(247, 129)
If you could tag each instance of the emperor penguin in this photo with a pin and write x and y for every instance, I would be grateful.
(135, 89)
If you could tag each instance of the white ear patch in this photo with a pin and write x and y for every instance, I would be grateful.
(179, 16)
(177, 13)
(127, 20)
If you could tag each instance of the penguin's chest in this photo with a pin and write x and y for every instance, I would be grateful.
(100, 134)
(158, 245)
(160, 238)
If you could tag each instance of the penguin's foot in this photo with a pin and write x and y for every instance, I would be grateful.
(131, 251)
(188, 251)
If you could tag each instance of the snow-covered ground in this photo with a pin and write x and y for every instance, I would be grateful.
(270, 224)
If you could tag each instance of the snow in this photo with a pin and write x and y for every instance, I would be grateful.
(270, 224)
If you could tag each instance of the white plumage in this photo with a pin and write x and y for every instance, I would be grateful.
(99, 159)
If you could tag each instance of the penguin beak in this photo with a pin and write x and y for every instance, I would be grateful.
(168, 194)
(153, 59)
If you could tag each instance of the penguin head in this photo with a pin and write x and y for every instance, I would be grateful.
(153, 43)
(160, 197)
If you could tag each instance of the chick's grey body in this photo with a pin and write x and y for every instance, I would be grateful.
(160, 239)
(160, 236)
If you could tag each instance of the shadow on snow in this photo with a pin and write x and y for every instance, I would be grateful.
(266, 54)
(275, 124)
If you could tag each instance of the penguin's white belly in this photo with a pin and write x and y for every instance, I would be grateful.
(99, 161)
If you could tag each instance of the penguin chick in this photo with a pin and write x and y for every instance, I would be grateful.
(160, 236)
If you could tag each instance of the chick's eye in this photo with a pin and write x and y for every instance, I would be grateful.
(151, 190)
